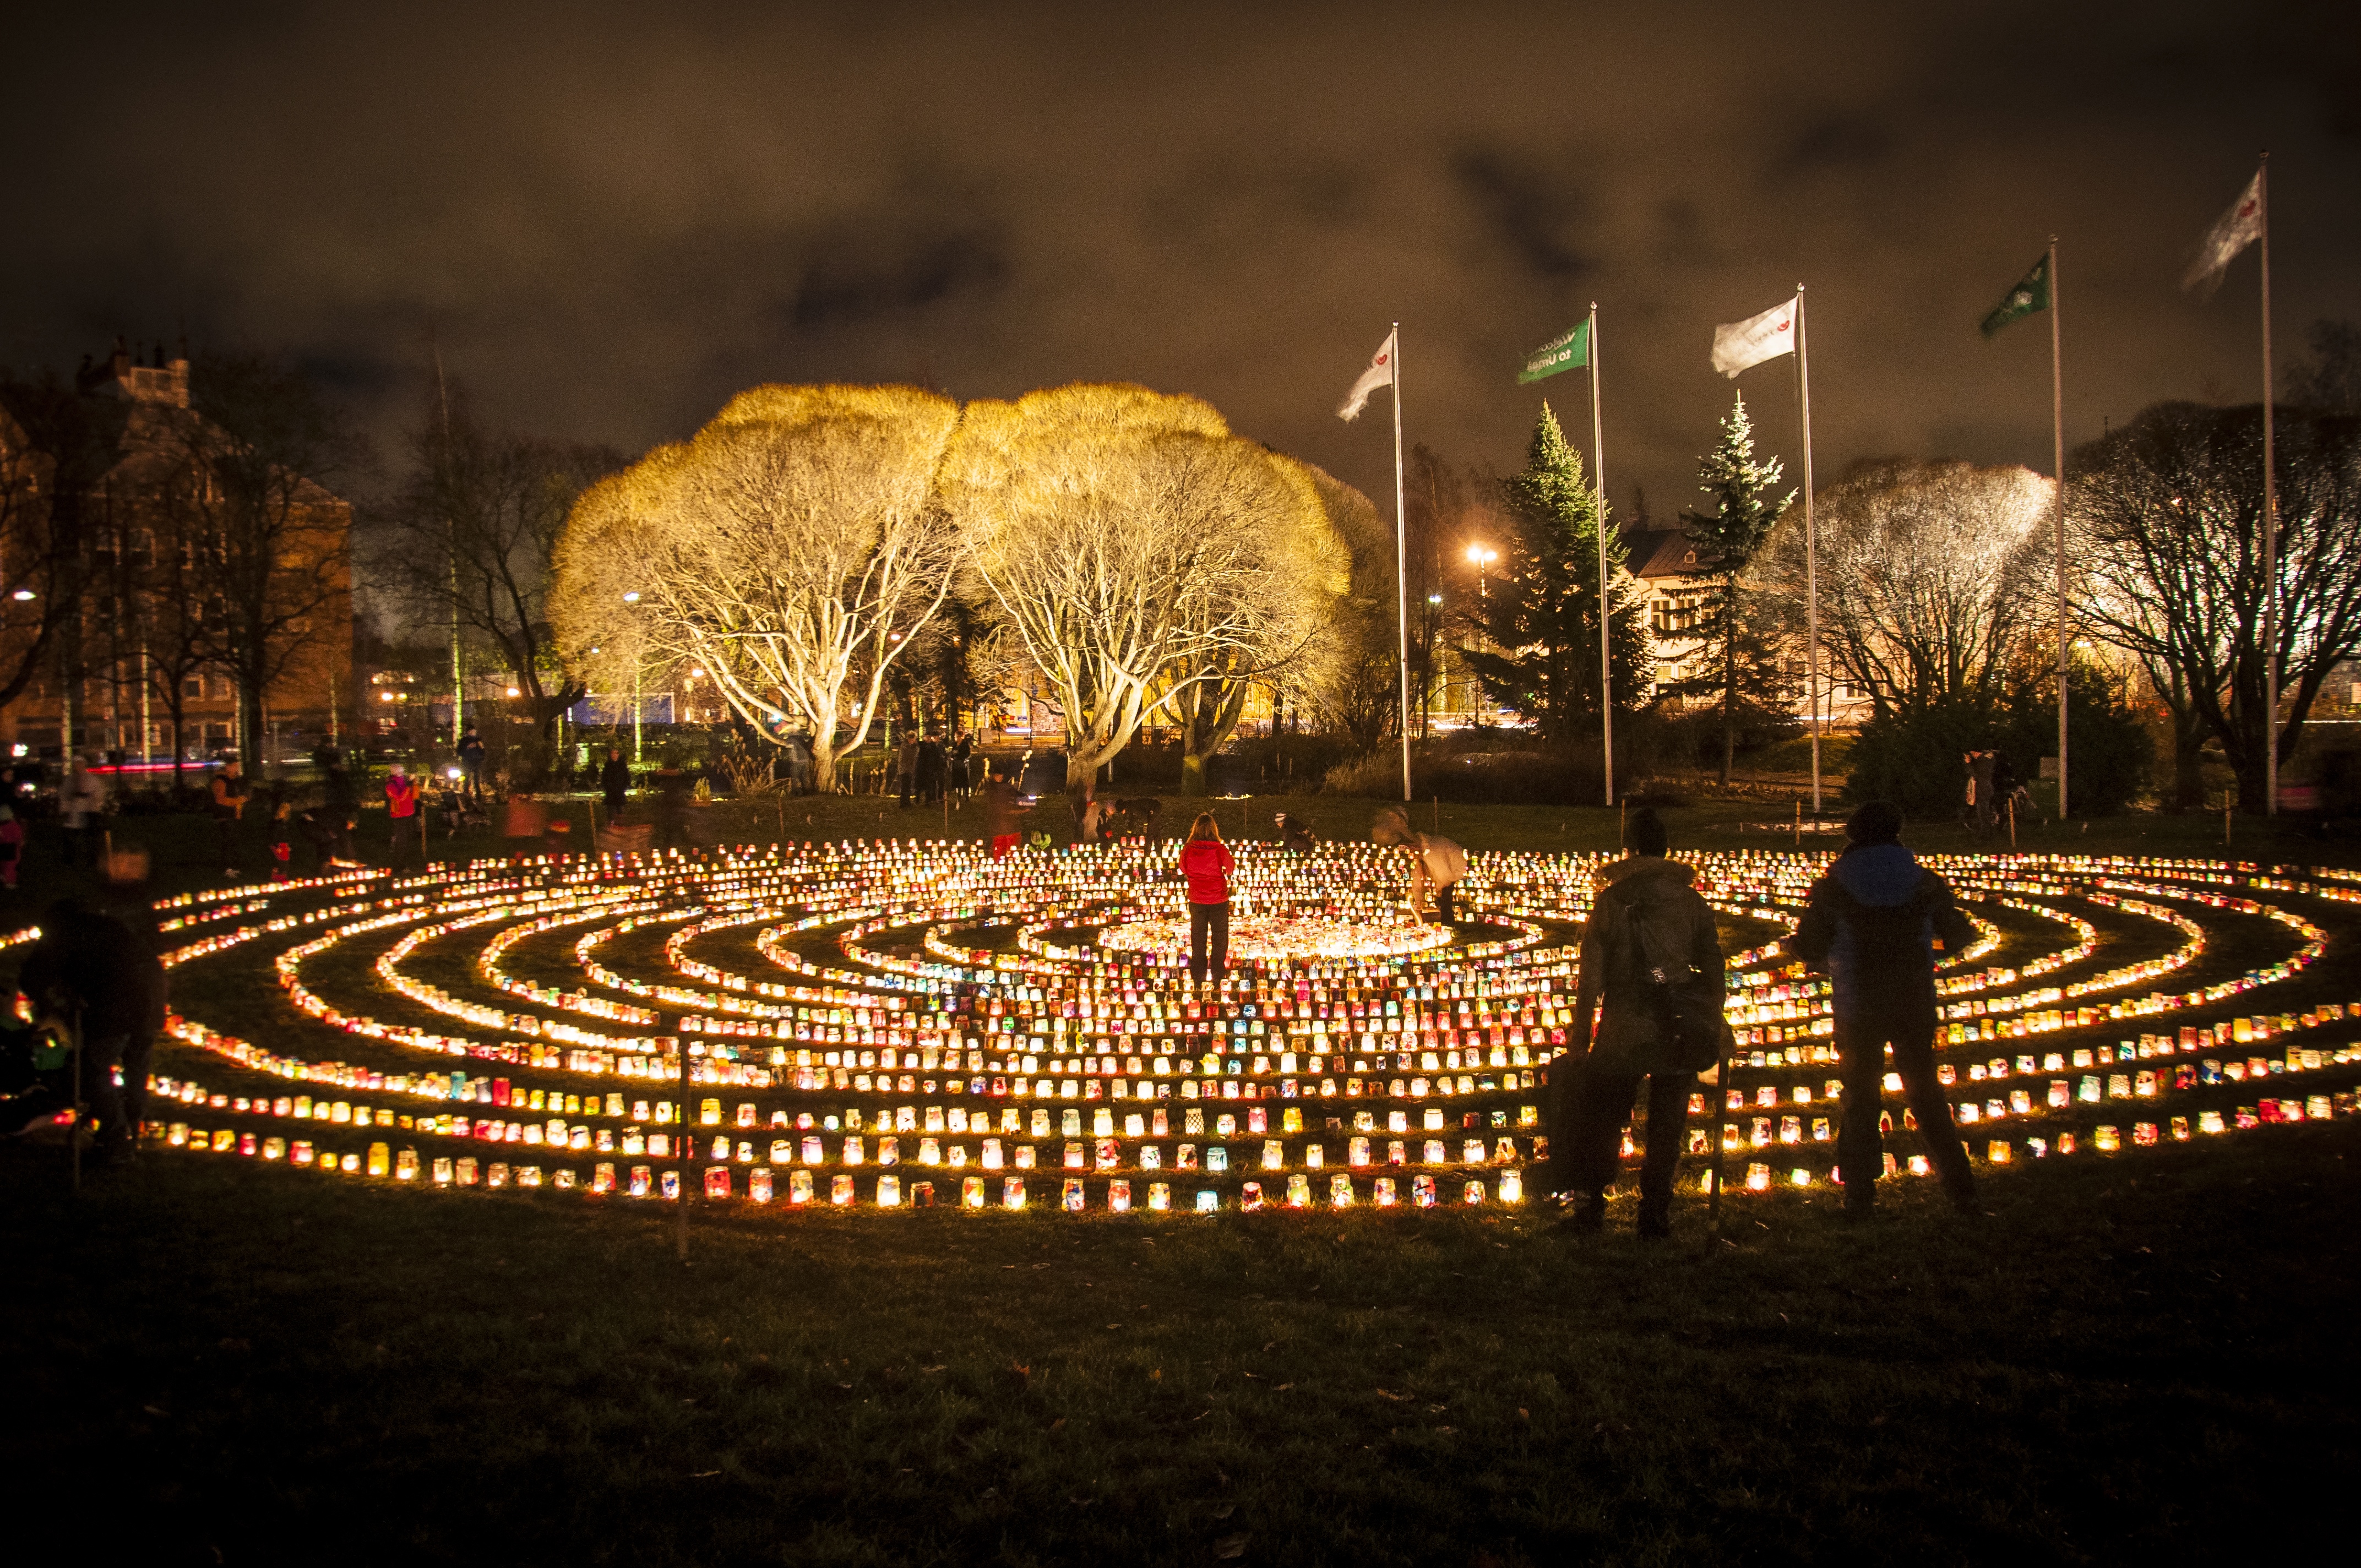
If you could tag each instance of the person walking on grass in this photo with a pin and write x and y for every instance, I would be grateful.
(615, 783)
(1206, 861)
(1002, 809)
(1648, 1005)
(1873, 923)
(1436, 860)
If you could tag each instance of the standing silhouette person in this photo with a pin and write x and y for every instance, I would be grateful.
(1873, 923)
(1652, 977)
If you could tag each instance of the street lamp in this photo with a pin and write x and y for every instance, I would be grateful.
(633, 597)
(1482, 555)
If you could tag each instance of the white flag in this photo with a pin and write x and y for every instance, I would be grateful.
(2236, 229)
(1380, 373)
(1737, 344)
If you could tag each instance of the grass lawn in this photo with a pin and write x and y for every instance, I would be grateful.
(2124, 1361)
(2129, 1358)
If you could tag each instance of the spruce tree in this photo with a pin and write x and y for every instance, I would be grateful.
(1727, 539)
(1539, 617)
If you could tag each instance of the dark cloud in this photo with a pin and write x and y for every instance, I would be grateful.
(609, 219)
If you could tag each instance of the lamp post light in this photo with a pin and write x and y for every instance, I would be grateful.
(1482, 555)
(633, 597)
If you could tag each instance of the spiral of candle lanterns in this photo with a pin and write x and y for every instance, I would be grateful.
(898, 1023)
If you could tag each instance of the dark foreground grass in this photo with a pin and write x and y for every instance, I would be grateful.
(2145, 1358)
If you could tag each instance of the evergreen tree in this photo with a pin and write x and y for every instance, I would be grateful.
(1539, 619)
(1727, 539)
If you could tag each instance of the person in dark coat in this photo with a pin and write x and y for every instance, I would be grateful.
(615, 782)
(340, 805)
(671, 809)
(963, 782)
(471, 764)
(1650, 932)
(1874, 924)
(930, 770)
(96, 972)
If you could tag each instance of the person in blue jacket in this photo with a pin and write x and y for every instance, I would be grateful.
(1874, 923)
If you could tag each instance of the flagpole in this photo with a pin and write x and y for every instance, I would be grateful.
(1401, 565)
(1811, 549)
(1606, 608)
(2058, 452)
(2270, 522)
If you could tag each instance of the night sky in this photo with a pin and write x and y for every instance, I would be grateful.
(612, 218)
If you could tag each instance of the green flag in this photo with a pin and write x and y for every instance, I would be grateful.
(1571, 352)
(2030, 295)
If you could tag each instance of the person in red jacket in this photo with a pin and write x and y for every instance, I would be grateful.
(401, 804)
(1205, 861)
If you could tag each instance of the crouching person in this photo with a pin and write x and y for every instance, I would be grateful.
(1873, 923)
(1651, 981)
(94, 971)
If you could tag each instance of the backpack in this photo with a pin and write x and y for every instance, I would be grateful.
(1684, 1004)
(1888, 939)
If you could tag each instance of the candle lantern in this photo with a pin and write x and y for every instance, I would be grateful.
(1511, 1186)
(274, 1148)
(2144, 1134)
(971, 1192)
(889, 1192)
(1012, 1192)
(441, 1170)
(1208, 1201)
(1384, 1196)
(1918, 1165)
(642, 1177)
(1422, 1191)
(1119, 1197)
(1250, 1197)
(176, 1135)
(528, 1176)
(1758, 1178)
(1070, 1195)
(922, 1195)
(2107, 1139)
(300, 1154)
(1997, 1151)
(562, 1179)
(349, 1164)
(1340, 1191)
(668, 1187)
(602, 1177)
(839, 1190)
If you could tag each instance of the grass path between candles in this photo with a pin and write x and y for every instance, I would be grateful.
(2144, 1357)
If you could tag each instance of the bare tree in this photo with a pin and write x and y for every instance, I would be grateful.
(1353, 666)
(268, 541)
(51, 454)
(1137, 549)
(2167, 511)
(792, 549)
(1927, 575)
(470, 537)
